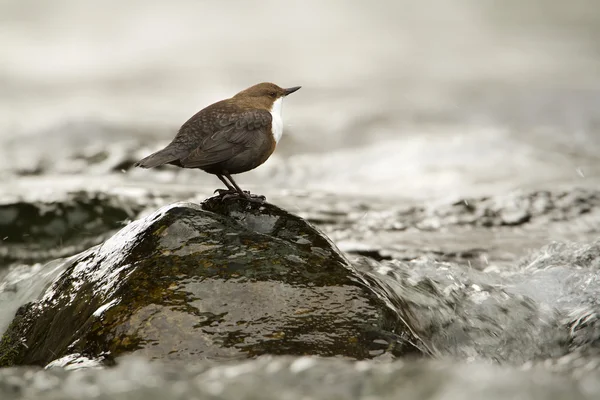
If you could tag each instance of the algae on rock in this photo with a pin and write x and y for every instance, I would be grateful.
(224, 280)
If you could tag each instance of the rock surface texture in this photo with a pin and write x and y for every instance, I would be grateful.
(224, 280)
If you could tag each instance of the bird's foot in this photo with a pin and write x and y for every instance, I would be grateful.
(255, 198)
(226, 194)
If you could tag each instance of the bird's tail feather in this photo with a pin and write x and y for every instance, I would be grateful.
(161, 157)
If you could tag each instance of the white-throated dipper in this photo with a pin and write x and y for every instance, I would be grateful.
(228, 137)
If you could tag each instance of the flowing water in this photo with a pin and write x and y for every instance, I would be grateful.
(404, 104)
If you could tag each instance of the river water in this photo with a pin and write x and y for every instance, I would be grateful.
(403, 103)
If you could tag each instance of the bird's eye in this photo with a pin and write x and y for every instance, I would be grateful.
(272, 94)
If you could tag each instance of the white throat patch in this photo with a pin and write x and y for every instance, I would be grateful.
(277, 123)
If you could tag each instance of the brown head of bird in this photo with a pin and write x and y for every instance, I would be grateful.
(264, 95)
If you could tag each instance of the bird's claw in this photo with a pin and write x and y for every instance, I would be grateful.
(226, 194)
(256, 198)
(231, 195)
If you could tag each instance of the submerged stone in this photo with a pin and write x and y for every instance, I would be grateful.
(224, 280)
(33, 231)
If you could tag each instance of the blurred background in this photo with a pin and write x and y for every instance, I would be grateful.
(400, 98)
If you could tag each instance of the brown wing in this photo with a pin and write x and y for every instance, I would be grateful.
(232, 133)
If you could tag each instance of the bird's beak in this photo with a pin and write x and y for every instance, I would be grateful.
(290, 90)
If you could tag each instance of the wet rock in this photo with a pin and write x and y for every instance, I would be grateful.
(482, 231)
(224, 280)
(511, 210)
(33, 231)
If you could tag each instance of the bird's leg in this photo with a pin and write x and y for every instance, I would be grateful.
(230, 189)
(245, 194)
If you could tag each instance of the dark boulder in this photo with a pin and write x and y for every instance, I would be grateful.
(222, 280)
(41, 230)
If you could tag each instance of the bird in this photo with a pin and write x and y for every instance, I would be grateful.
(228, 137)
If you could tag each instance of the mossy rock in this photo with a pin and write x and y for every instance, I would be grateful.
(222, 280)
